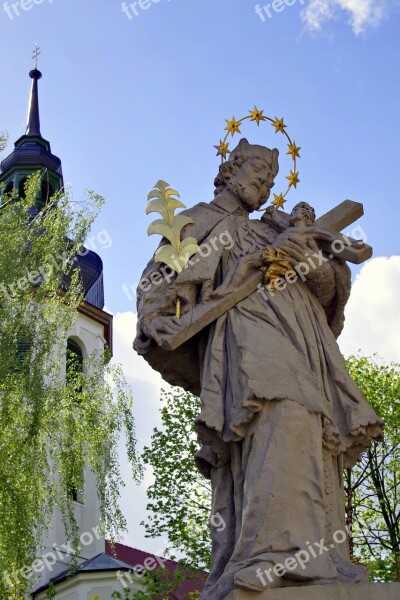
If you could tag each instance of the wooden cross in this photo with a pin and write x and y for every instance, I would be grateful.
(35, 56)
(333, 222)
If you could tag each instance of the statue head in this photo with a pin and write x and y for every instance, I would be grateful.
(249, 174)
(302, 213)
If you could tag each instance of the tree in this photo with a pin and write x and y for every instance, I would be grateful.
(3, 141)
(373, 485)
(50, 426)
(180, 497)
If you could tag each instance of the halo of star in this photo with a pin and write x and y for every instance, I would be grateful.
(257, 115)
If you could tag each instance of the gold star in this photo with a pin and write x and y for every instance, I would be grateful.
(293, 178)
(222, 149)
(279, 125)
(278, 201)
(294, 150)
(257, 115)
(232, 126)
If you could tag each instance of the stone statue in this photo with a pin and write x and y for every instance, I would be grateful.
(280, 415)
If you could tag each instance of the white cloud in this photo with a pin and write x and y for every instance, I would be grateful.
(146, 385)
(362, 14)
(372, 313)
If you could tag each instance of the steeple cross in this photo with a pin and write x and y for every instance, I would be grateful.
(35, 56)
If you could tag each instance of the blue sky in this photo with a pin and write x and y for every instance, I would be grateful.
(128, 101)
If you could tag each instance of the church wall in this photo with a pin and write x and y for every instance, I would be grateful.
(90, 336)
(89, 586)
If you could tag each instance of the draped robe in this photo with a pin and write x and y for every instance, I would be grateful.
(280, 415)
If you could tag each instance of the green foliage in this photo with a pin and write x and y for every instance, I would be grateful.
(50, 426)
(373, 486)
(180, 497)
(3, 140)
(51, 592)
(127, 594)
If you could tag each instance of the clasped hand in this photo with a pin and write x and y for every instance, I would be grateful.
(300, 246)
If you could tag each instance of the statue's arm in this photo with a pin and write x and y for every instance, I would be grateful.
(160, 286)
(156, 298)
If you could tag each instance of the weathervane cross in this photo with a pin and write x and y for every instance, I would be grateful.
(35, 56)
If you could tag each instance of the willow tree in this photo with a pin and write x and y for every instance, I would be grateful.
(50, 425)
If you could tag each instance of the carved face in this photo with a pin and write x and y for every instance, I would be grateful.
(252, 183)
(302, 213)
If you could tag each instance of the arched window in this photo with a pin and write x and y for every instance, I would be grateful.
(21, 187)
(74, 366)
(47, 191)
(24, 347)
(74, 357)
(9, 187)
(74, 369)
(23, 351)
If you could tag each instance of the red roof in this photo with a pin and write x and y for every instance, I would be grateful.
(137, 558)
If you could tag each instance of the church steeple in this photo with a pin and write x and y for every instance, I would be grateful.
(33, 122)
(32, 152)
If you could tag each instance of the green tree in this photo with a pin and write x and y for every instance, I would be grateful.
(3, 141)
(373, 485)
(179, 500)
(50, 426)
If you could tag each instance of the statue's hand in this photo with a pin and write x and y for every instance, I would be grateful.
(187, 294)
(160, 328)
(299, 243)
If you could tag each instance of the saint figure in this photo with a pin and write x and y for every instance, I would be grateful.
(281, 417)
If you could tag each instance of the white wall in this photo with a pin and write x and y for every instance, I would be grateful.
(89, 334)
(89, 586)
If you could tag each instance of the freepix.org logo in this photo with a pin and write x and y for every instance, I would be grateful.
(277, 6)
(15, 9)
(134, 9)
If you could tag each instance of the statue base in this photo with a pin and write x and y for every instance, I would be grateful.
(362, 591)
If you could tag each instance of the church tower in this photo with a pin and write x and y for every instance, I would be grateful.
(102, 569)
(32, 153)
(91, 332)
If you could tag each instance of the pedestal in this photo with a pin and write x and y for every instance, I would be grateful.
(365, 591)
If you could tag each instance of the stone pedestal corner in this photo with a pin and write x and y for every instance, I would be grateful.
(367, 591)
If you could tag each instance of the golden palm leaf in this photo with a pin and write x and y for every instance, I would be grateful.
(177, 253)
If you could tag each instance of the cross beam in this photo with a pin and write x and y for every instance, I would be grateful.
(35, 56)
(332, 222)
